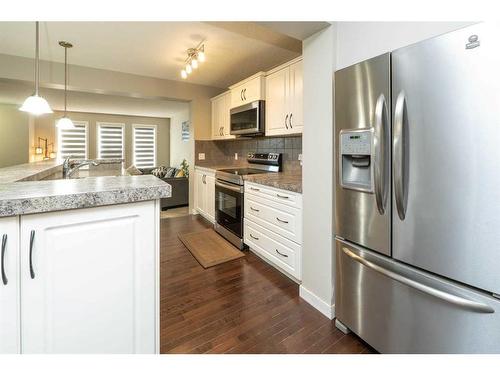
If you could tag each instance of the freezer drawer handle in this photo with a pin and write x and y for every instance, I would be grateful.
(380, 154)
(450, 298)
(4, 246)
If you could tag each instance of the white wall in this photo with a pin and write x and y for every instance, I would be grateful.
(358, 41)
(317, 171)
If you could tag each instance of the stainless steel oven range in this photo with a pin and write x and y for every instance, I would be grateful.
(229, 194)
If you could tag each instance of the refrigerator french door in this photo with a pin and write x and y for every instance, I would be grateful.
(362, 123)
(435, 290)
(446, 105)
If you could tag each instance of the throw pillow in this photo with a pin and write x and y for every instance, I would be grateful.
(159, 172)
(180, 173)
(170, 172)
(133, 171)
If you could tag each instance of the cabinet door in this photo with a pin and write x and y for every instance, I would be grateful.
(252, 90)
(210, 197)
(9, 286)
(90, 284)
(276, 103)
(237, 96)
(216, 119)
(295, 101)
(226, 116)
(199, 192)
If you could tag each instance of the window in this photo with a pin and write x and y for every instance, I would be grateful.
(144, 146)
(110, 140)
(73, 142)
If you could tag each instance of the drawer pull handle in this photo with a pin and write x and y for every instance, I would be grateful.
(255, 189)
(282, 196)
(254, 209)
(4, 246)
(283, 255)
(282, 221)
(255, 238)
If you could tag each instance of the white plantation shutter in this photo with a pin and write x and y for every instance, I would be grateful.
(110, 140)
(73, 142)
(144, 146)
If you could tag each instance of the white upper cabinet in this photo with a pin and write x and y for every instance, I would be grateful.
(249, 90)
(9, 286)
(284, 97)
(221, 105)
(88, 280)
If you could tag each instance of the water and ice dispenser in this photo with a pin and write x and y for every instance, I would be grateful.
(356, 169)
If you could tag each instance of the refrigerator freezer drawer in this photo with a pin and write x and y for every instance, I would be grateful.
(399, 309)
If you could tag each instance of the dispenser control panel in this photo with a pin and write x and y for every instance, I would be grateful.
(356, 167)
(356, 142)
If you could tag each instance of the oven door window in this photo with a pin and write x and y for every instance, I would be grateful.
(246, 120)
(228, 210)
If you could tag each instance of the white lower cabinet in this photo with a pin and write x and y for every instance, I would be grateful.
(9, 286)
(273, 226)
(88, 281)
(204, 191)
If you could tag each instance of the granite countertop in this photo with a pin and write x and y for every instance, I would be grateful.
(21, 192)
(280, 180)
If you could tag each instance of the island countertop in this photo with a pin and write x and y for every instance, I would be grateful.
(21, 193)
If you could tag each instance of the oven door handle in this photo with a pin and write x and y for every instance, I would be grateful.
(238, 189)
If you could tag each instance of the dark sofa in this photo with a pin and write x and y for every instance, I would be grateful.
(180, 190)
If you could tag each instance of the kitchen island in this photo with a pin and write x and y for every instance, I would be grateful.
(79, 262)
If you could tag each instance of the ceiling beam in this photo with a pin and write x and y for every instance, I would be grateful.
(262, 33)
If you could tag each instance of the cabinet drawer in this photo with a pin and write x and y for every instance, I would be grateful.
(279, 251)
(277, 217)
(276, 195)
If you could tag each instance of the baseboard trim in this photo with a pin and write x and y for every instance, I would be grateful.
(316, 302)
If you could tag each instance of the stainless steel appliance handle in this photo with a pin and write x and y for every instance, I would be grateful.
(379, 153)
(4, 247)
(286, 118)
(283, 255)
(228, 186)
(398, 154)
(32, 242)
(445, 296)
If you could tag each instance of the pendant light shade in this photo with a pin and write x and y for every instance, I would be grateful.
(35, 104)
(65, 122)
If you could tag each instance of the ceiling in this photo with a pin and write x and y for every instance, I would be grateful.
(155, 49)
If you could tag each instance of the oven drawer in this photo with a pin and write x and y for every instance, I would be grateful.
(277, 195)
(279, 251)
(277, 217)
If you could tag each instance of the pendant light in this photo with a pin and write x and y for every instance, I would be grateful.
(35, 104)
(65, 122)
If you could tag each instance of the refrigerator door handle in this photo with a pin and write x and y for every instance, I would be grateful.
(398, 154)
(445, 296)
(380, 154)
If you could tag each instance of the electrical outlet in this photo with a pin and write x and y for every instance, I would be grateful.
(235, 156)
(201, 156)
(300, 157)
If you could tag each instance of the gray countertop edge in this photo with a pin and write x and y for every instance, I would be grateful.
(47, 197)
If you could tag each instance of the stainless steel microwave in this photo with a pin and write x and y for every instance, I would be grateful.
(248, 119)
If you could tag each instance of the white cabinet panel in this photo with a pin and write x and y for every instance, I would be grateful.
(93, 284)
(205, 193)
(221, 106)
(9, 286)
(248, 91)
(284, 97)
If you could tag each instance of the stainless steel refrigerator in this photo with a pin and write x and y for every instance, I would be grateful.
(417, 196)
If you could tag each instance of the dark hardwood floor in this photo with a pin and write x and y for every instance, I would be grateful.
(243, 306)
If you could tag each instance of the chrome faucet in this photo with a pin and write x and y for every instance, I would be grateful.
(71, 166)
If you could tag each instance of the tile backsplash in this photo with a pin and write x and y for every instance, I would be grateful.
(222, 152)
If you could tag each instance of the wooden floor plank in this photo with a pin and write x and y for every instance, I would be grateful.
(242, 306)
